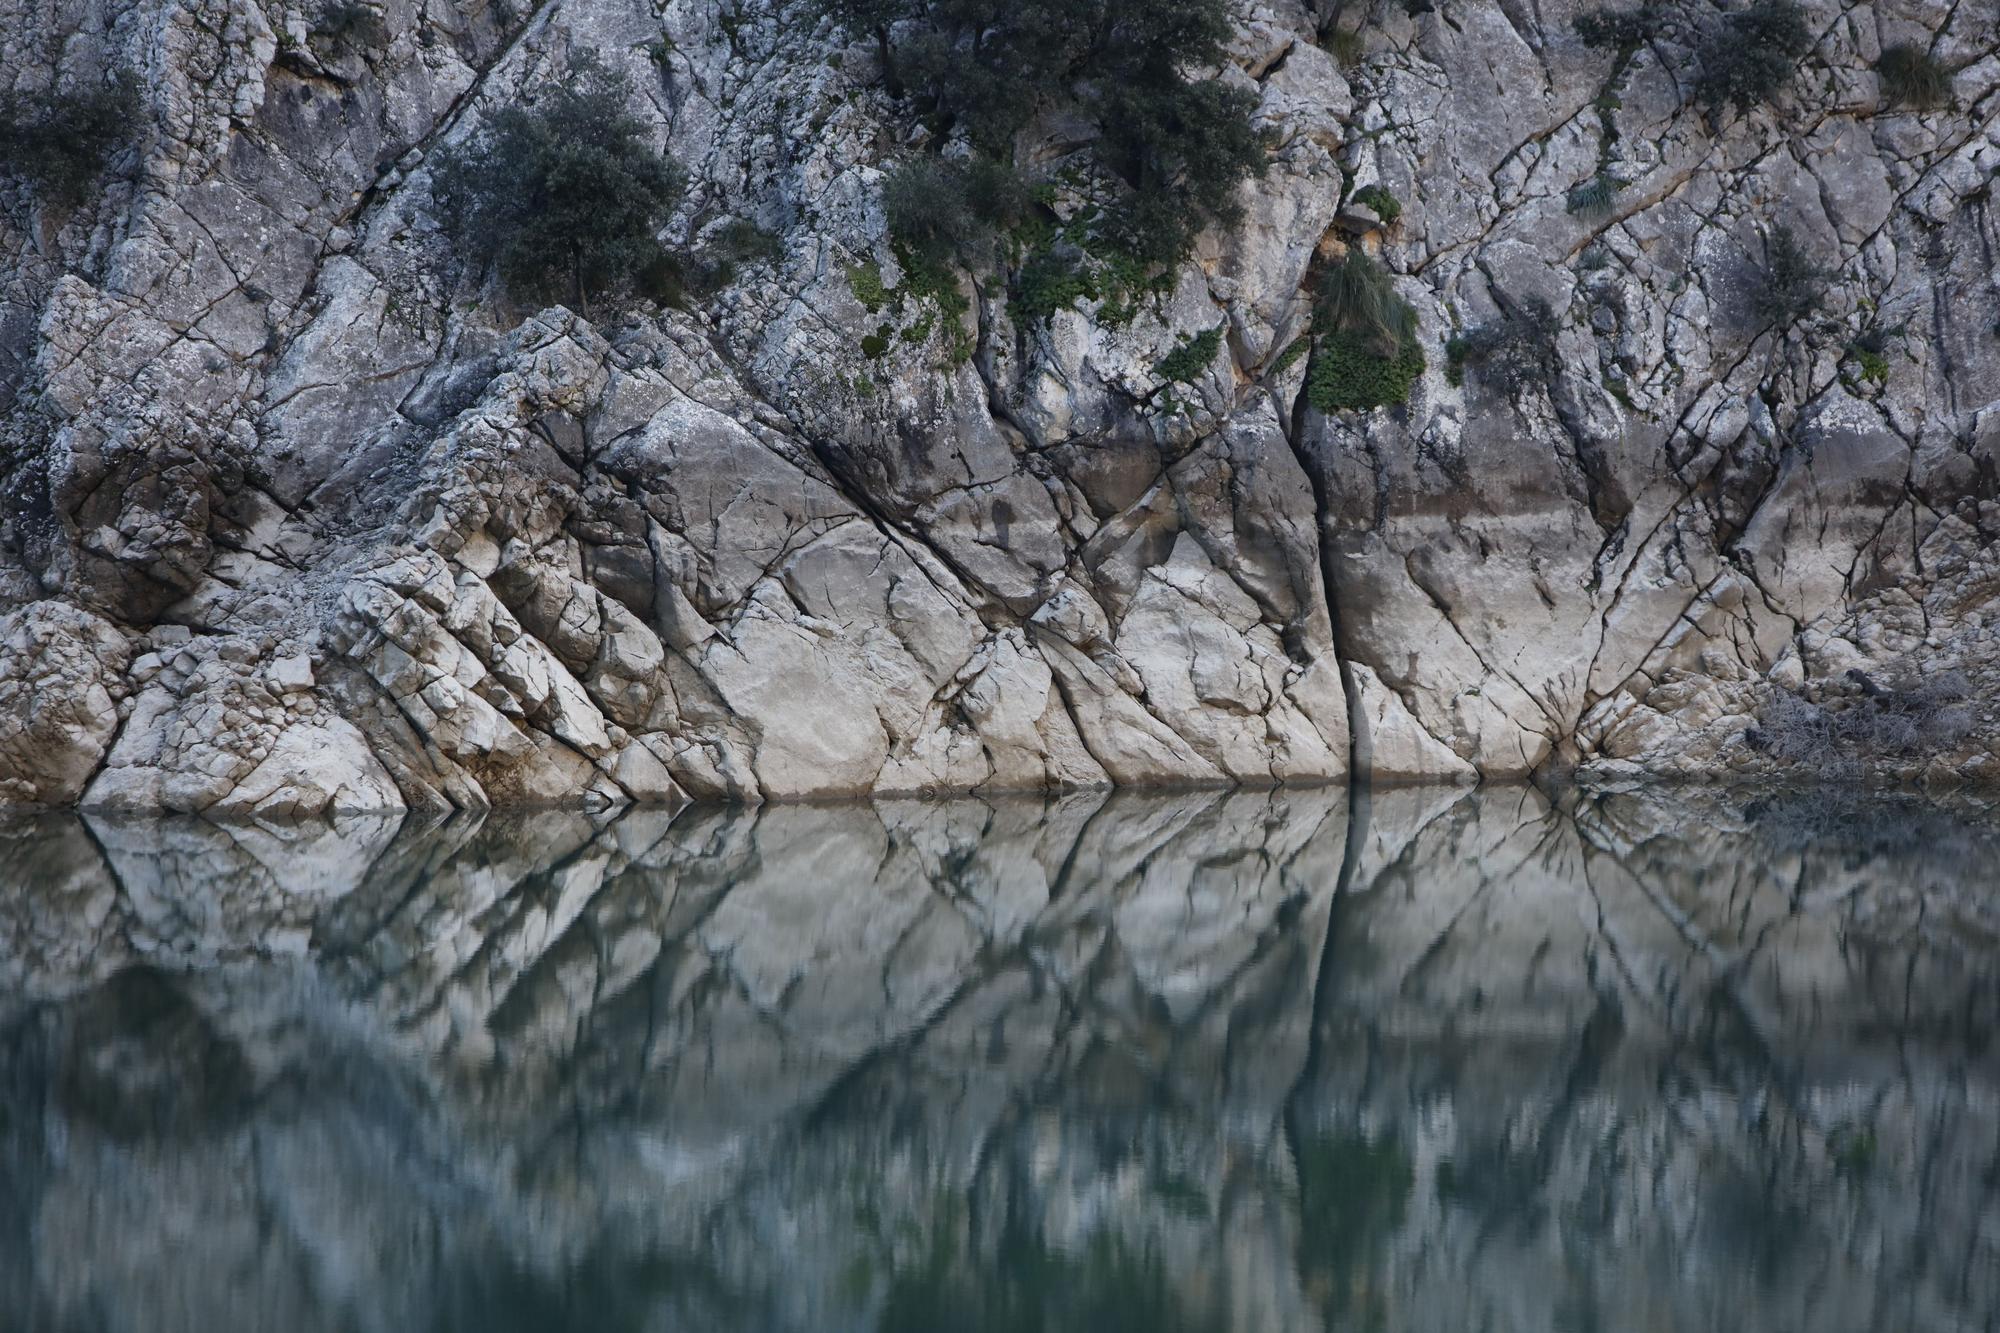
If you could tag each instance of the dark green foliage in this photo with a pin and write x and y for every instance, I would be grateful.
(1173, 148)
(1049, 282)
(1752, 54)
(1183, 149)
(1910, 76)
(1874, 365)
(1595, 197)
(60, 143)
(1513, 353)
(1385, 205)
(1790, 285)
(564, 196)
(942, 210)
(998, 195)
(1870, 348)
(1621, 29)
(1367, 354)
(1352, 373)
(1191, 358)
(927, 207)
(1289, 357)
(349, 25)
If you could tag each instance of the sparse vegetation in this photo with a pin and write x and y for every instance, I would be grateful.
(1912, 77)
(1837, 734)
(1356, 293)
(349, 25)
(1623, 30)
(1515, 352)
(1596, 196)
(1379, 201)
(1750, 57)
(1366, 354)
(1345, 44)
(727, 249)
(564, 196)
(1789, 286)
(1050, 281)
(865, 281)
(1185, 363)
(927, 299)
(59, 143)
(1869, 352)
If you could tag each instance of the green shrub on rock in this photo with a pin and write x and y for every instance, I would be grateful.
(1366, 354)
(1353, 373)
(564, 197)
(1171, 147)
(1789, 286)
(1048, 282)
(1750, 56)
(1186, 362)
(60, 143)
(1379, 201)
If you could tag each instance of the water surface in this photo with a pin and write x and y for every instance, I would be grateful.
(1424, 1060)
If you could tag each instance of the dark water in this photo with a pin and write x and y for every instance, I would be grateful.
(1444, 1061)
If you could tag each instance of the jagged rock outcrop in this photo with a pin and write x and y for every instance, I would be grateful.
(326, 497)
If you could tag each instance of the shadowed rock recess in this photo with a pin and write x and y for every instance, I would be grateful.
(1432, 1060)
(297, 514)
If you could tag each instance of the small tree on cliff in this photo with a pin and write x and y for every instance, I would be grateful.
(564, 197)
(1170, 147)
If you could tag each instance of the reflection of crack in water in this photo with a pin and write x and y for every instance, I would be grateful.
(1100, 1062)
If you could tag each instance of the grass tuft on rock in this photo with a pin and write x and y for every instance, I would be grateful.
(1912, 77)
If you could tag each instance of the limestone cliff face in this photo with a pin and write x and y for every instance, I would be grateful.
(298, 519)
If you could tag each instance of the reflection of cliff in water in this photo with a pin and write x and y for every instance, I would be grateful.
(1214, 1061)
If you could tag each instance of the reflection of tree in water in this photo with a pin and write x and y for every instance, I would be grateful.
(1353, 1192)
(1110, 1283)
(142, 1062)
(1657, 1065)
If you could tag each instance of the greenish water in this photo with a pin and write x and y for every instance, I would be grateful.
(1420, 1060)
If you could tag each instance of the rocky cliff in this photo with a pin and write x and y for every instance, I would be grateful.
(300, 515)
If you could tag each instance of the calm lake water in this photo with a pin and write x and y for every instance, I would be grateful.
(1421, 1060)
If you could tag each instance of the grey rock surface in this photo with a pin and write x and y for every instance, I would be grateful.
(296, 518)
